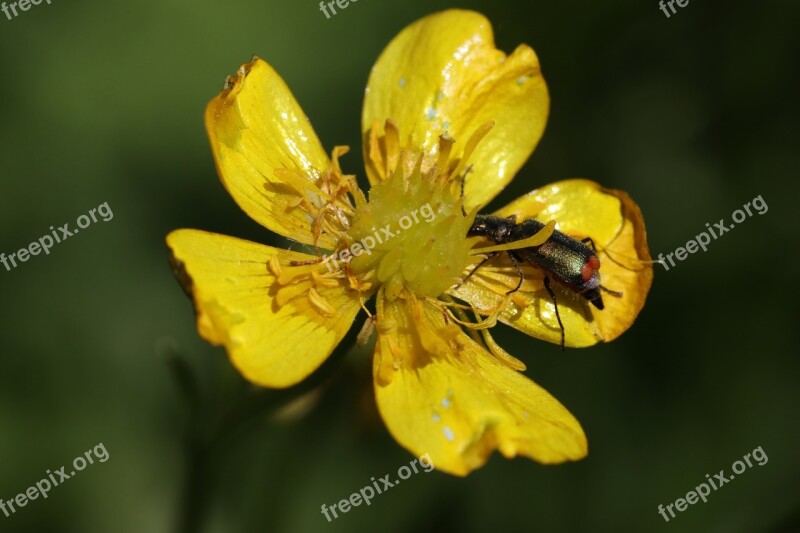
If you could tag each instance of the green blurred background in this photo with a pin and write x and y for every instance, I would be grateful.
(102, 102)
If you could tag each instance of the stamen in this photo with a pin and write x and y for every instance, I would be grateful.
(433, 338)
(472, 143)
(491, 320)
(286, 294)
(445, 147)
(295, 202)
(366, 331)
(319, 303)
(460, 317)
(392, 143)
(323, 281)
(287, 277)
(375, 155)
(338, 151)
(274, 266)
(519, 300)
(501, 354)
(355, 283)
(294, 179)
(364, 306)
(358, 195)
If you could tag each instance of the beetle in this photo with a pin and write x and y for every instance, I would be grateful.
(571, 262)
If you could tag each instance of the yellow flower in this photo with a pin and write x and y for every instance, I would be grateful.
(441, 103)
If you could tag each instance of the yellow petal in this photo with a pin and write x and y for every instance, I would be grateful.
(235, 300)
(266, 151)
(581, 209)
(456, 402)
(444, 74)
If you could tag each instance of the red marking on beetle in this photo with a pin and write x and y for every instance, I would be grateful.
(589, 268)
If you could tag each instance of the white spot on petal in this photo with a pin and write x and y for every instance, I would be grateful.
(430, 113)
(401, 82)
(448, 433)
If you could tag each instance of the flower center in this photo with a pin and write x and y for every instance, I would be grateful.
(413, 229)
(410, 236)
(413, 233)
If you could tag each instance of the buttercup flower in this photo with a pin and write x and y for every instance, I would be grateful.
(442, 107)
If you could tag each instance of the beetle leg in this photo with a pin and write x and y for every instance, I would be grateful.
(555, 303)
(588, 240)
(618, 294)
(521, 275)
(490, 256)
